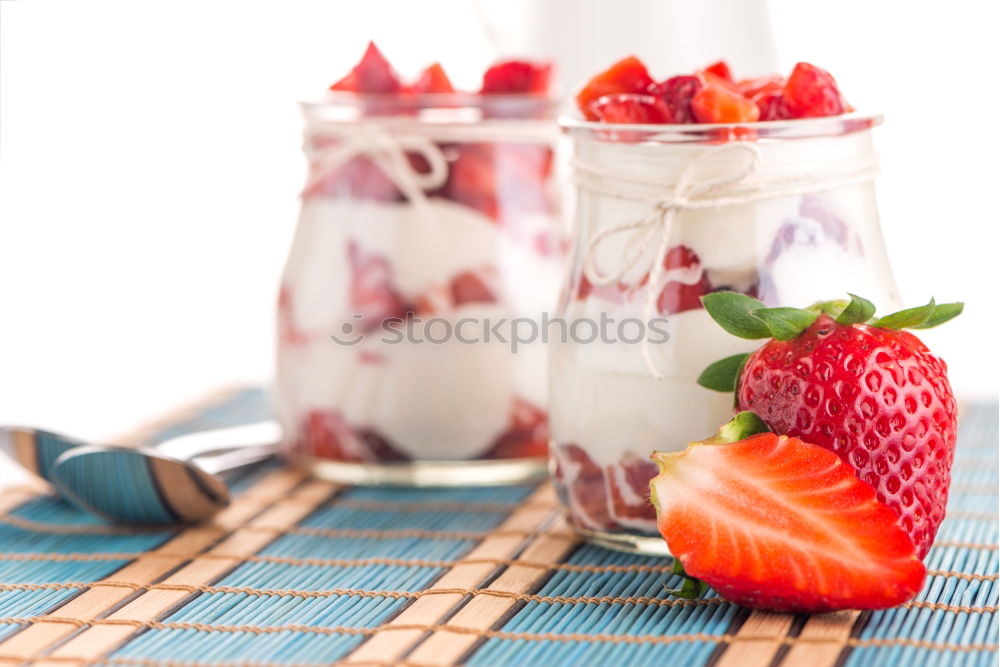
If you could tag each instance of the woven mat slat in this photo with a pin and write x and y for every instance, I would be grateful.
(299, 572)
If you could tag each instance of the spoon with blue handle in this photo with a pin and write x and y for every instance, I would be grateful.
(177, 481)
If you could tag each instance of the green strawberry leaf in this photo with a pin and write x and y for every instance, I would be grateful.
(732, 311)
(911, 318)
(723, 374)
(857, 311)
(691, 588)
(942, 313)
(785, 323)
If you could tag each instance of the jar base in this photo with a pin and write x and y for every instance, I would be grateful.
(429, 473)
(644, 545)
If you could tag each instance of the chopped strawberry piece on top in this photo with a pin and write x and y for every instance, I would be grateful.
(433, 80)
(630, 108)
(373, 74)
(811, 92)
(517, 76)
(628, 75)
(717, 104)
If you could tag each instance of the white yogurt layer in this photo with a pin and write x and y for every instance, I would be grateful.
(604, 399)
(430, 401)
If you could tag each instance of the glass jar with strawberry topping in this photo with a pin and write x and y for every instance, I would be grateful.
(783, 211)
(427, 249)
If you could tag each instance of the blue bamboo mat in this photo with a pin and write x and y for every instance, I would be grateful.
(300, 571)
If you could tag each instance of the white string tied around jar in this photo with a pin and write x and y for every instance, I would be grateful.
(387, 150)
(720, 177)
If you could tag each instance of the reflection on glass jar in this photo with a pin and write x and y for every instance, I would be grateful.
(423, 224)
(784, 212)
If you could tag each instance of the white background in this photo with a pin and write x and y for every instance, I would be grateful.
(149, 163)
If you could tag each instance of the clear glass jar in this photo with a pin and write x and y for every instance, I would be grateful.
(782, 211)
(424, 221)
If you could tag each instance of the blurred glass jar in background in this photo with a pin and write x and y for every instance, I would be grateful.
(424, 222)
(781, 211)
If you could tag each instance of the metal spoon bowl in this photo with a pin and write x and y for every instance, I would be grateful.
(179, 480)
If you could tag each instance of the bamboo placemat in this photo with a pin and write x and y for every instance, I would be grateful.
(299, 571)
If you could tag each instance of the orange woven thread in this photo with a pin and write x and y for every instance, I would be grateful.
(947, 544)
(91, 529)
(962, 575)
(80, 529)
(404, 562)
(974, 516)
(497, 634)
(360, 592)
(423, 534)
(974, 488)
(974, 463)
(941, 606)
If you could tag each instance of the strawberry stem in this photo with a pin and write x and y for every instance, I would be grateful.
(691, 589)
(740, 427)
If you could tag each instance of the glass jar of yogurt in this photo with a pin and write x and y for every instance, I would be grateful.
(782, 211)
(429, 229)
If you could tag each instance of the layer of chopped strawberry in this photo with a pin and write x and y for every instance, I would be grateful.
(374, 75)
(326, 434)
(684, 278)
(626, 93)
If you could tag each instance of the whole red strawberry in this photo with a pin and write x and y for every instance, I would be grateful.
(864, 389)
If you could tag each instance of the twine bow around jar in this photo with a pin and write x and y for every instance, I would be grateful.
(722, 176)
(387, 150)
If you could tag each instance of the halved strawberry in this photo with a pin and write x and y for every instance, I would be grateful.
(433, 80)
(776, 523)
(630, 108)
(628, 75)
(517, 77)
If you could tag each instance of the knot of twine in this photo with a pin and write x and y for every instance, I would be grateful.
(721, 176)
(387, 150)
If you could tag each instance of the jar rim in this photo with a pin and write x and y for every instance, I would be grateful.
(665, 133)
(395, 103)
